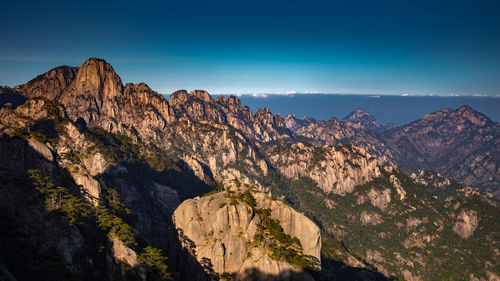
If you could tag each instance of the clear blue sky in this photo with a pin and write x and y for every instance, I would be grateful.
(239, 46)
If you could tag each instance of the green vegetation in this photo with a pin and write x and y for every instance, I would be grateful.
(120, 148)
(71, 156)
(344, 234)
(109, 217)
(116, 226)
(211, 192)
(248, 198)
(282, 246)
(155, 263)
(226, 276)
(59, 198)
(20, 132)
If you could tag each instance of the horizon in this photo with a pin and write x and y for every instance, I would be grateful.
(283, 93)
(415, 48)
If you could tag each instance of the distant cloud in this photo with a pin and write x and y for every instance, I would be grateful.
(260, 96)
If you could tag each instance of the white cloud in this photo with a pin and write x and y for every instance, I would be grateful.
(260, 96)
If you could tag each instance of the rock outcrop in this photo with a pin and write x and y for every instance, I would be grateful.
(467, 222)
(224, 231)
(334, 169)
(49, 85)
(334, 132)
(98, 98)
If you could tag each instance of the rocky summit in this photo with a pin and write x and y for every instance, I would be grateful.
(102, 180)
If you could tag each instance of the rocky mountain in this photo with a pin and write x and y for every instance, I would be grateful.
(200, 106)
(461, 144)
(334, 132)
(366, 119)
(113, 178)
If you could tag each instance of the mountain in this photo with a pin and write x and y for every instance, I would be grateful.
(461, 144)
(366, 119)
(112, 179)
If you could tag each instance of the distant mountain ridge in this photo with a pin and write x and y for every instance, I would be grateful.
(462, 144)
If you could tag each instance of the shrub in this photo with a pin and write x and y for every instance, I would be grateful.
(248, 198)
(39, 136)
(155, 263)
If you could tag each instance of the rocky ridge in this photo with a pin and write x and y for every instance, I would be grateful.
(335, 169)
(460, 144)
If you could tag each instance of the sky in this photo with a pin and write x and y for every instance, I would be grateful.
(243, 47)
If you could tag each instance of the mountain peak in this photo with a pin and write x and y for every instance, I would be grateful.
(98, 78)
(462, 113)
(472, 115)
(50, 84)
(202, 95)
(366, 119)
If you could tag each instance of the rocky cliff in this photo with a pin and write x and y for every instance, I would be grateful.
(249, 236)
(334, 169)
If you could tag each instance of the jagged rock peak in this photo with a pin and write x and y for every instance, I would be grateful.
(50, 84)
(233, 101)
(202, 95)
(472, 115)
(366, 119)
(221, 99)
(182, 96)
(178, 97)
(356, 114)
(97, 76)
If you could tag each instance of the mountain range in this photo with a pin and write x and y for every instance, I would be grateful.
(102, 180)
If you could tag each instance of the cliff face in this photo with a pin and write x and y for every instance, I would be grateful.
(98, 97)
(229, 233)
(334, 169)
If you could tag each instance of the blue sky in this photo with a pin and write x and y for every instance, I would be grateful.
(239, 46)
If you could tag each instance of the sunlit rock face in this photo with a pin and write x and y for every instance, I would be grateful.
(334, 169)
(223, 234)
